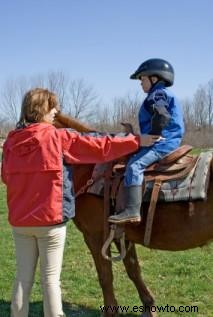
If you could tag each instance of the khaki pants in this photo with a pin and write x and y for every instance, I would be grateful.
(47, 243)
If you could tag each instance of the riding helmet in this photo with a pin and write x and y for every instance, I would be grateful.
(156, 67)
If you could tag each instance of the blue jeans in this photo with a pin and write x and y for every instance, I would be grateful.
(138, 163)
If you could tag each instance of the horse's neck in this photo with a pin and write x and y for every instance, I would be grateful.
(65, 121)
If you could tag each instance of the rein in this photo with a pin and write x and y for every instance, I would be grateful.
(89, 183)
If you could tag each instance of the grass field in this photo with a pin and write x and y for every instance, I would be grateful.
(180, 278)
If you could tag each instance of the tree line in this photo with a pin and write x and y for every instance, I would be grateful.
(79, 99)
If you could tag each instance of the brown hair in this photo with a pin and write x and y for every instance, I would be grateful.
(35, 104)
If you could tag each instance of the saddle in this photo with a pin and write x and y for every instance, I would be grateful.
(173, 166)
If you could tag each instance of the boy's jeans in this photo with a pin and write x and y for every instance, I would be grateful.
(138, 163)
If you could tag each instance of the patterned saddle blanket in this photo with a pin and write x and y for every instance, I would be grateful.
(192, 187)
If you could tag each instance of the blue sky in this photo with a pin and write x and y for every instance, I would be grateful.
(105, 41)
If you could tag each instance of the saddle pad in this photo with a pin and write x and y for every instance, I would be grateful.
(190, 188)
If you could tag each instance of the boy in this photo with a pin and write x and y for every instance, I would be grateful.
(160, 114)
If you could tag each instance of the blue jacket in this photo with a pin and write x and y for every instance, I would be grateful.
(161, 114)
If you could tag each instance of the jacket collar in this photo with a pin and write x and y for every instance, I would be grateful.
(158, 85)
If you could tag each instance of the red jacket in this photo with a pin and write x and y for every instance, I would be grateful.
(32, 168)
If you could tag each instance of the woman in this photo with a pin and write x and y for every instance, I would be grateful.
(36, 170)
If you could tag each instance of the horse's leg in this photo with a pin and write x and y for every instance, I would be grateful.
(134, 272)
(104, 270)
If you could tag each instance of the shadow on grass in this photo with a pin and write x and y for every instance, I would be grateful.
(71, 310)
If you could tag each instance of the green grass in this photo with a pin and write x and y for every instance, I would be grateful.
(180, 278)
(197, 151)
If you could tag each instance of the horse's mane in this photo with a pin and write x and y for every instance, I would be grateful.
(65, 121)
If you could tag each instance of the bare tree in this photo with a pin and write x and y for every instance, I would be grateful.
(103, 119)
(210, 102)
(54, 81)
(198, 116)
(58, 82)
(82, 100)
(11, 97)
(188, 113)
(126, 109)
(123, 109)
(75, 97)
(200, 107)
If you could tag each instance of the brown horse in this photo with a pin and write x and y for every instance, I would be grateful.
(177, 226)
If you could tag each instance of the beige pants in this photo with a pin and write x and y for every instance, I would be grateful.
(47, 243)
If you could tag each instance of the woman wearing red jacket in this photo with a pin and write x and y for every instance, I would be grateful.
(36, 169)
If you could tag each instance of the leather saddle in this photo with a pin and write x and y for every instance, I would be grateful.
(176, 164)
(173, 166)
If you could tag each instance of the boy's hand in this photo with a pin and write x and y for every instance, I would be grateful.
(148, 140)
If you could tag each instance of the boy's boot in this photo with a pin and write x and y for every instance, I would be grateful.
(131, 213)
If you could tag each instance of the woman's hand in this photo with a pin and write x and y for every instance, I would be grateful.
(148, 140)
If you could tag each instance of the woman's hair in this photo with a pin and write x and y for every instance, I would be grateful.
(35, 104)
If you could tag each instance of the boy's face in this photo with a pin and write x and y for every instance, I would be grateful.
(147, 82)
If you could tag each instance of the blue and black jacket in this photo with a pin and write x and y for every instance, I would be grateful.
(161, 114)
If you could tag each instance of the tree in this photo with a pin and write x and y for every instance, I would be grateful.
(11, 97)
(188, 113)
(76, 97)
(200, 107)
(209, 90)
(123, 109)
(82, 100)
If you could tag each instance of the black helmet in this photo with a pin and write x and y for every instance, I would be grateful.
(156, 67)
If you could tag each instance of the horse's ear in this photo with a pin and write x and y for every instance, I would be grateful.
(128, 128)
(65, 121)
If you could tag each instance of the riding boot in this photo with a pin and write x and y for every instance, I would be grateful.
(131, 213)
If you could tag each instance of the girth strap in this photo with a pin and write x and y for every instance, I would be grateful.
(108, 174)
(151, 211)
